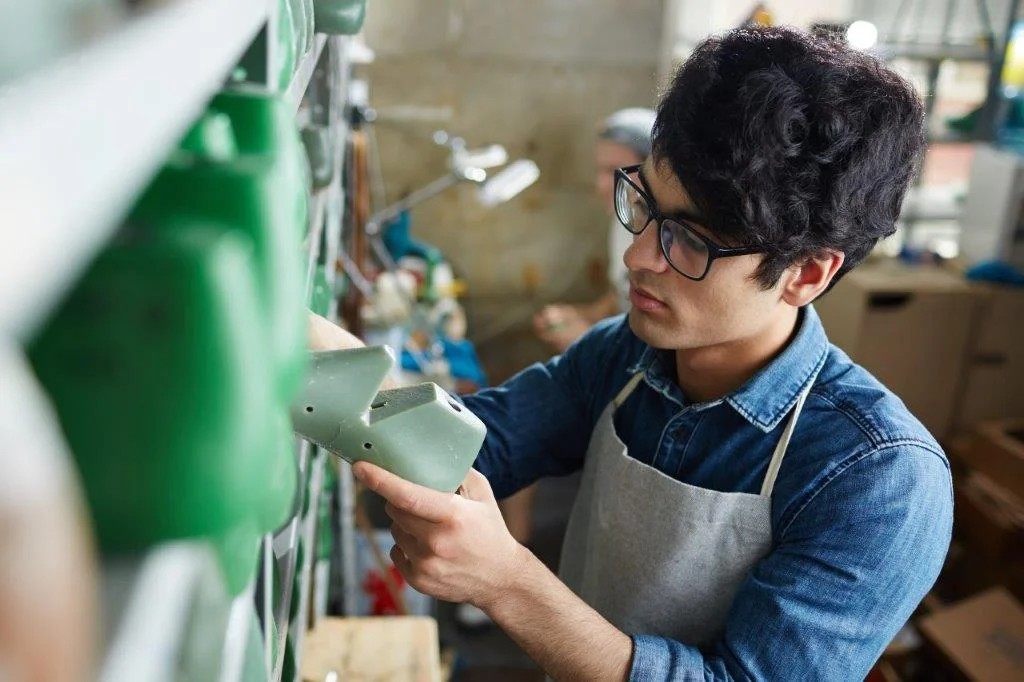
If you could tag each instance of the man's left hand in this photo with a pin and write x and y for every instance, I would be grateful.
(454, 547)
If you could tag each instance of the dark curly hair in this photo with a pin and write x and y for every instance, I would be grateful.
(792, 142)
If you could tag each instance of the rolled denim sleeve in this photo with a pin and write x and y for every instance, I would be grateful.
(850, 566)
(539, 421)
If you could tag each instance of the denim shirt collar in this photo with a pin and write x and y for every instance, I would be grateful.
(771, 393)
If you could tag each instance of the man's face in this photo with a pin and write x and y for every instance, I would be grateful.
(672, 312)
(608, 156)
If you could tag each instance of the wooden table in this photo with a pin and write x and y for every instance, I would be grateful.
(387, 649)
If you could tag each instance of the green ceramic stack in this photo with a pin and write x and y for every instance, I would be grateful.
(317, 140)
(173, 362)
(149, 365)
(295, 37)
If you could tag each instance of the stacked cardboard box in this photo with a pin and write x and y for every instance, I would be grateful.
(910, 327)
(981, 638)
(953, 351)
(992, 386)
(989, 527)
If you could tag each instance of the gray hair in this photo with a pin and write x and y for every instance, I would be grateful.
(631, 128)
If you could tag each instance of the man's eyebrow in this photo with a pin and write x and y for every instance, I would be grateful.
(643, 181)
(680, 215)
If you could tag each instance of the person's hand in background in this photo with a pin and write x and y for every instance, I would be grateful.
(560, 324)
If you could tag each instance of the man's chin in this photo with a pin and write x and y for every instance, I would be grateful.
(648, 330)
(658, 333)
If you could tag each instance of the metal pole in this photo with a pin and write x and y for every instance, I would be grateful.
(988, 122)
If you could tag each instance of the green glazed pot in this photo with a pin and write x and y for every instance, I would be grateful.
(339, 17)
(150, 365)
(287, 46)
(317, 142)
(259, 191)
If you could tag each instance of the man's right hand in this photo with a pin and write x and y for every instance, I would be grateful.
(325, 335)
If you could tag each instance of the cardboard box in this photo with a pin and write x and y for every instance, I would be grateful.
(977, 572)
(993, 386)
(997, 450)
(982, 638)
(989, 518)
(910, 327)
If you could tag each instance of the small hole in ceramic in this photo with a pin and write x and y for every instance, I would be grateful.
(455, 405)
(309, 408)
(379, 404)
(367, 445)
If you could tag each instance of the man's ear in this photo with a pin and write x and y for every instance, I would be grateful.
(807, 280)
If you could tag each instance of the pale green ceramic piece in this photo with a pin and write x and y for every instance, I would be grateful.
(419, 432)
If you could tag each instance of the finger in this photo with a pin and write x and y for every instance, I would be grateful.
(410, 523)
(325, 335)
(417, 500)
(407, 542)
(402, 563)
(476, 486)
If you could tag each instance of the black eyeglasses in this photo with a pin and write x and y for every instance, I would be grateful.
(688, 251)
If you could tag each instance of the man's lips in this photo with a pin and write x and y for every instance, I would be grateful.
(642, 299)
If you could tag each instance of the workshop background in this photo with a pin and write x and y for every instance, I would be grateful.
(180, 180)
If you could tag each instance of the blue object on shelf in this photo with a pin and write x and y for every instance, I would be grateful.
(462, 359)
(399, 241)
(919, 256)
(995, 272)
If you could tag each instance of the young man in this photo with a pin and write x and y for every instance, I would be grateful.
(623, 139)
(753, 504)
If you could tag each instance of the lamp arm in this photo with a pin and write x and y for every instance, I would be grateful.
(376, 222)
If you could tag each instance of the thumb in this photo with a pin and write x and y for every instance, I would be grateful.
(476, 487)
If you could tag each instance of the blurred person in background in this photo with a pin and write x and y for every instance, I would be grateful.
(623, 139)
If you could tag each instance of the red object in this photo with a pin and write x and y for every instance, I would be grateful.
(381, 601)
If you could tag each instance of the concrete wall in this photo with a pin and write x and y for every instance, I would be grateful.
(535, 76)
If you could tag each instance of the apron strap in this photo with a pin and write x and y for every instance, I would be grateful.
(780, 448)
(627, 389)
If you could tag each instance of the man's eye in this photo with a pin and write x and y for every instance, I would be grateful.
(691, 240)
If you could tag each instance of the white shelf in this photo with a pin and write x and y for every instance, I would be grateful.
(81, 138)
(165, 609)
(300, 81)
(285, 549)
(317, 214)
(309, 532)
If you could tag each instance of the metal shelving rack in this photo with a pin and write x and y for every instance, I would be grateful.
(98, 123)
(902, 42)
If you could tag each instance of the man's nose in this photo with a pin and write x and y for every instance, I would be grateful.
(645, 252)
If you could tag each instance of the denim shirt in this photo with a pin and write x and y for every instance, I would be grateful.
(861, 511)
